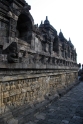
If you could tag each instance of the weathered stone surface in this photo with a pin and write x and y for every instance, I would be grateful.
(37, 90)
(36, 64)
(51, 50)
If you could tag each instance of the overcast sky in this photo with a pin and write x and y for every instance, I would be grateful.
(66, 15)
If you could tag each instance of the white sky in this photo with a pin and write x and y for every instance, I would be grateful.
(66, 15)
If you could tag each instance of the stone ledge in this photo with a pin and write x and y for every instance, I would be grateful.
(26, 76)
(5, 65)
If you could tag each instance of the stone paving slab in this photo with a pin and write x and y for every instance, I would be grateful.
(66, 110)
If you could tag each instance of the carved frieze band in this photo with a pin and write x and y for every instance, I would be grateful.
(15, 93)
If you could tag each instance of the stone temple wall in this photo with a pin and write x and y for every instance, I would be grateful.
(17, 90)
(36, 64)
(25, 92)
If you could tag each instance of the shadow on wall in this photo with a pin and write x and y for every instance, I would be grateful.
(24, 28)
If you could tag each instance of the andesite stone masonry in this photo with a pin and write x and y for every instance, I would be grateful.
(36, 64)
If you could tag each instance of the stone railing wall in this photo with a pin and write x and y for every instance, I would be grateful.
(32, 86)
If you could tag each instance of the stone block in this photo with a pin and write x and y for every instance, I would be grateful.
(12, 121)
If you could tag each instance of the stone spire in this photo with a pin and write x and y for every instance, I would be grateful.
(61, 35)
(69, 39)
(46, 21)
(46, 17)
(41, 25)
(41, 22)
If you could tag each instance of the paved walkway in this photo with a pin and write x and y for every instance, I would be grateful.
(66, 110)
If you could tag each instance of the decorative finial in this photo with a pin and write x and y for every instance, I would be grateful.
(46, 21)
(60, 30)
(41, 22)
(46, 17)
(69, 39)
